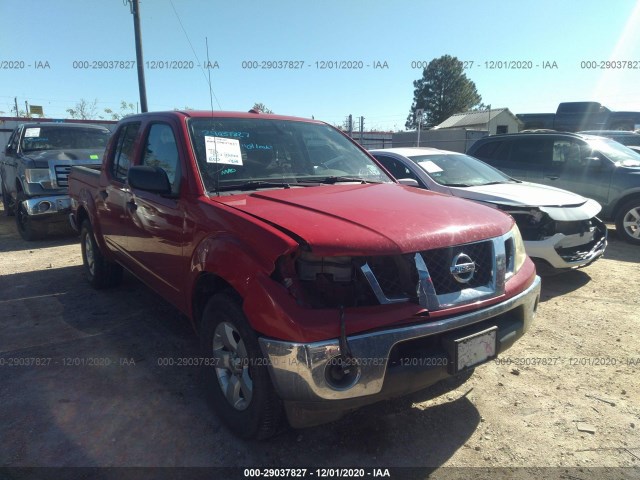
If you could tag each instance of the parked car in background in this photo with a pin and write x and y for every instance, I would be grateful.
(628, 139)
(595, 167)
(34, 170)
(560, 229)
(316, 282)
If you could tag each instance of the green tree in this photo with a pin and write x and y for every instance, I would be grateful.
(443, 90)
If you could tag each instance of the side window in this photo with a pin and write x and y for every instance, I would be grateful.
(565, 152)
(124, 151)
(396, 168)
(161, 150)
(489, 149)
(13, 140)
(532, 151)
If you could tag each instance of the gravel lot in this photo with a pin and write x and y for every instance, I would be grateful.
(81, 384)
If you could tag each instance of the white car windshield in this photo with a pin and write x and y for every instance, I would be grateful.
(459, 170)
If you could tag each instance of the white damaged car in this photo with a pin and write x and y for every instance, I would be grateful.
(560, 229)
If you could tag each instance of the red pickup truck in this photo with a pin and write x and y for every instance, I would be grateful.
(316, 282)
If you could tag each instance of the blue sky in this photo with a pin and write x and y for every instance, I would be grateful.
(534, 33)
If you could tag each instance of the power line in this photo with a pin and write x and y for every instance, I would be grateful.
(195, 54)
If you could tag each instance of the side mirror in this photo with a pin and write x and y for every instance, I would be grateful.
(9, 150)
(594, 162)
(409, 182)
(149, 179)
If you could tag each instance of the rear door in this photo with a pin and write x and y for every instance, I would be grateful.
(112, 203)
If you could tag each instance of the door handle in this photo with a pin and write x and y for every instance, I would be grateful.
(131, 205)
(103, 194)
(552, 177)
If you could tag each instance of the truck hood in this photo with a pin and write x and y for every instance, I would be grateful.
(371, 219)
(42, 158)
(559, 204)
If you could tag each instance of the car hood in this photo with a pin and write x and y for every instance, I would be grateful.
(371, 219)
(557, 203)
(42, 158)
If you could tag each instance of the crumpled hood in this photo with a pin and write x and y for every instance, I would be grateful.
(42, 158)
(371, 219)
(559, 204)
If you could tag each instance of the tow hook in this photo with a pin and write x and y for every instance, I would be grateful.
(345, 350)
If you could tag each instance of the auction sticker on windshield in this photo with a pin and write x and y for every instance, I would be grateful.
(430, 166)
(223, 150)
(32, 132)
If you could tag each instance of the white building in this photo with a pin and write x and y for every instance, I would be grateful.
(497, 120)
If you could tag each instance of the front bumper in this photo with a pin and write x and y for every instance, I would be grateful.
(47, 205)
(570, 251)
(299, 371)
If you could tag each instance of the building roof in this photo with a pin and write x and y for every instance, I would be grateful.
(474, 118)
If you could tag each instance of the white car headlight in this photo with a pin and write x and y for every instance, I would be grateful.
(519, 254)
(38, 175)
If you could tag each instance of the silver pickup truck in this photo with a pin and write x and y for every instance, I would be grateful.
(34, 170)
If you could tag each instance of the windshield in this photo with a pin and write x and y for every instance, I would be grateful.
(247, 151)
(459, 170)
(61, 138)
(619, 154)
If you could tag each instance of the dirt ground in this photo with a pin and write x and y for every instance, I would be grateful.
(81, 384)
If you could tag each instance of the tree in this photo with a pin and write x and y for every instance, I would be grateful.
(261, 107)
(443, 90)
(83, 110)
(125, 110)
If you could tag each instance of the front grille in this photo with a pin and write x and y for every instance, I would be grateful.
(396, 275)
(62, 174)
(439, 263)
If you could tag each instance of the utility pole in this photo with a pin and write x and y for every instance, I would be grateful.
(15, 99)
(134, 5)
(350, 125)
(361, 129)
(26, 109)
(419, 113)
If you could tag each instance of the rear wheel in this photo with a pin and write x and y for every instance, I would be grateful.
(628, 222)
(100, 272)
(27, 228)
(237, 380)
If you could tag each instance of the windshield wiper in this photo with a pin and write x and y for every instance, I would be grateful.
(456, 185)
(336, 179)
(490, 183)
(254, 185)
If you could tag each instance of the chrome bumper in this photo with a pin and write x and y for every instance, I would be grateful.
(299, 371)
(40, 206)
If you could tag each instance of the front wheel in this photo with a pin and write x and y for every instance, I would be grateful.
(27, 228)
(628, 222)
(237, 378)
(100, 272)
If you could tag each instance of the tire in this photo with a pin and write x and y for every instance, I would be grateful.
(27, 228)
(238, 383)
(628, 222)
(6, 202)
(100, 272)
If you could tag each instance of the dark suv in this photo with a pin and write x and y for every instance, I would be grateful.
(595, 167)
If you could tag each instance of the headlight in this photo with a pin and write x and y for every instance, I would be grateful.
(38, 175)
(519, 254)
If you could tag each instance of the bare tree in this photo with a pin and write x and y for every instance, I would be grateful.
(84, 110)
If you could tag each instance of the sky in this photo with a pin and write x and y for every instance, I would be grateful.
(527, 56)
